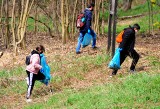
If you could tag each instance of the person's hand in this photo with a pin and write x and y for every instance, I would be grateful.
(120, 49)
(89, 31)
(42, 70)
(83, 19)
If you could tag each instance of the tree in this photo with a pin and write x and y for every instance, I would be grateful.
(22, 23)
(127, 4)
(63, 22)
(112, 16)
(7, 38)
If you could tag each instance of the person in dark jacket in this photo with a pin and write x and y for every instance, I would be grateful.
(127, 46)
(87, 29)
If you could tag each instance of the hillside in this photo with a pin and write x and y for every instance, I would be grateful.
(69, 70)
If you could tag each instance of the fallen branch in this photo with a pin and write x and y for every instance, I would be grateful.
(127, 17)
(135, 16)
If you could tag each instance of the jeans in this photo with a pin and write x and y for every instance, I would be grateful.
(80, 39)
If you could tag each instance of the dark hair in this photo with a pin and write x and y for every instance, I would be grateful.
(136, 26)
(91, 5)
(40, 48)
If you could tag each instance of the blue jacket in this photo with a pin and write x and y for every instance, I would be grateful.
(88, 17)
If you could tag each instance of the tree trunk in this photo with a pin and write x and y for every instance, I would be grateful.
(73, 19)
(13, 26)
(67, 20)
(7, 25)
(103, 11)
(83, 5)
(26, 7)
(114, 27)
(55, 17)
(127, 4)
(35, 22)
(2, 26)
(97, 16)
(109, 26)
(63, 22)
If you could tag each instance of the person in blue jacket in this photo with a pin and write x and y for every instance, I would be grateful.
(87, 28)
(127, 47)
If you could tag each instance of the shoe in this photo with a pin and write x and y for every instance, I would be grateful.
(78, 52)
(29, 100)
(94, 47)
(112, 75)
(132, 71)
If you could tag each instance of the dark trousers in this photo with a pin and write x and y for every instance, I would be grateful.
(31, 79)
(133, 54)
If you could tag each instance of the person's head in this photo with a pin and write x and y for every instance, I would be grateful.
(40, 49)
(90, 6)
(136, 27)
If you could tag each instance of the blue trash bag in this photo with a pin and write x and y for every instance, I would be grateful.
(115, 62)
(45, 70)
(86, 40)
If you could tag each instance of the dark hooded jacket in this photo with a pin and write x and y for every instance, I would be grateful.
(128, 41)
(34, 52)
(88, 17)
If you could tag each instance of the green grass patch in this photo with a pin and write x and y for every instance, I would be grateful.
(136, 91)
(154, 63)
(17, 71)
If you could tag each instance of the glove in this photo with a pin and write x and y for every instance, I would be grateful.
(120, 49)
(83, 19)
(42, 70)
(89, 31)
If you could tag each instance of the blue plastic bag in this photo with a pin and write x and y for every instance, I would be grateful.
(46, 70)
(86, 40)
(115, 62)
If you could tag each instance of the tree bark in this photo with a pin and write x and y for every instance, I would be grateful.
(13, 26)
(103, 11)
(1, 25)
(73, 19)
(63, 22)
(127, 4)
(7, 25)
(67, 20)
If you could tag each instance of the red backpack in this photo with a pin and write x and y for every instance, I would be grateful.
(80, 20)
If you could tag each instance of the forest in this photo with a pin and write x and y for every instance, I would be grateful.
(79, 81)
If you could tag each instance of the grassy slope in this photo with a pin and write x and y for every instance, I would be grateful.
(135, 91)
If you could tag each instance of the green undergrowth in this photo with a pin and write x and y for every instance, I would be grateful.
(134, 91)
(142, 21)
